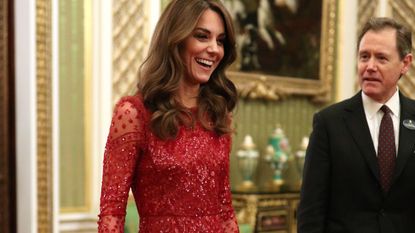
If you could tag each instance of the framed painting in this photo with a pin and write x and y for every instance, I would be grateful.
(285, 47)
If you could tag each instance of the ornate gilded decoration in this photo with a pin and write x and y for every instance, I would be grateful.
(130, 22)
(44, 115)
(256, 86)
(245, 208)
(255, 208)
(404, 11)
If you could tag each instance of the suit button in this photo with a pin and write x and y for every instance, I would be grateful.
(382, 212)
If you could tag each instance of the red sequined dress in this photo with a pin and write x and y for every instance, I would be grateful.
(179, 185)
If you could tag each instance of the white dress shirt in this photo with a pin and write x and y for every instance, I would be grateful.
(374, 116)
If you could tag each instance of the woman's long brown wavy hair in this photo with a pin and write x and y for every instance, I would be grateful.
(161, 72)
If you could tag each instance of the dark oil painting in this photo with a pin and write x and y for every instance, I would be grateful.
(278, 37)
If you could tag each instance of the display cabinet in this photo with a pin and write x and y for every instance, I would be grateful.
(267, 211)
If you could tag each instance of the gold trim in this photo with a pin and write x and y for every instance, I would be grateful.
(44, 116)
(255, 86)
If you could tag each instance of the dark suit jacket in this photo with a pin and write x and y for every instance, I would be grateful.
(341, 192)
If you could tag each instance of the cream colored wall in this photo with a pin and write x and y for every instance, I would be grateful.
(345, 83)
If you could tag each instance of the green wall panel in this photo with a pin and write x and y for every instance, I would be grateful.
(71, 109)
(259, 119)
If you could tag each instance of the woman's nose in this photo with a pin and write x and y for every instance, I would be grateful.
(213, 47)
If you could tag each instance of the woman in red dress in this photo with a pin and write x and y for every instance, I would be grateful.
(170, 142)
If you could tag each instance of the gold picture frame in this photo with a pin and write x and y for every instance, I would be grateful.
(259, 85)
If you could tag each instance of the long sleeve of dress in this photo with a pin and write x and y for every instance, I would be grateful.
(120, 158)
(228, 215)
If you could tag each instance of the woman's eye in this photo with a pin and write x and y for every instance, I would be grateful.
(221, 41)
(200, 36)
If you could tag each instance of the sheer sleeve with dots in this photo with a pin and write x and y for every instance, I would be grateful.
(121, 153)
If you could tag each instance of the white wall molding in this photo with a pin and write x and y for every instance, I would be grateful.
(26, 143)
(76, 223)
(55, 114)
(102, 90)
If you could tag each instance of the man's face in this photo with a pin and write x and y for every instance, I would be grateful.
(379, 65)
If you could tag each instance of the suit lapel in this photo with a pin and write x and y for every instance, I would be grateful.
(356, 122)
(406, 136)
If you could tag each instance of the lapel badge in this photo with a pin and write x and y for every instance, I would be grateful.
(409, 124)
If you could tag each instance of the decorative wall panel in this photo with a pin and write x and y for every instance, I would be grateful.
(366, 10)
(130, 22)
(404, 11)
(44, 115)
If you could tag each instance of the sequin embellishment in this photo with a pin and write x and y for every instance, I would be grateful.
(179, 185)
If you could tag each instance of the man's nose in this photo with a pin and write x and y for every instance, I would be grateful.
(371, 64)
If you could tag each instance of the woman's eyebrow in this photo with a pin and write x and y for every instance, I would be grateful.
(207, 31)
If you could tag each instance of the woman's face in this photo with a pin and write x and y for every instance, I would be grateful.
(204, 48)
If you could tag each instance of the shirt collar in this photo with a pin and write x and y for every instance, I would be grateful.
(371, 107)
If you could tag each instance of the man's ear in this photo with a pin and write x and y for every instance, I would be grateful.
(407, 61)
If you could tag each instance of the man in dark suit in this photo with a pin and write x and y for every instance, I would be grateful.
(359, 173)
